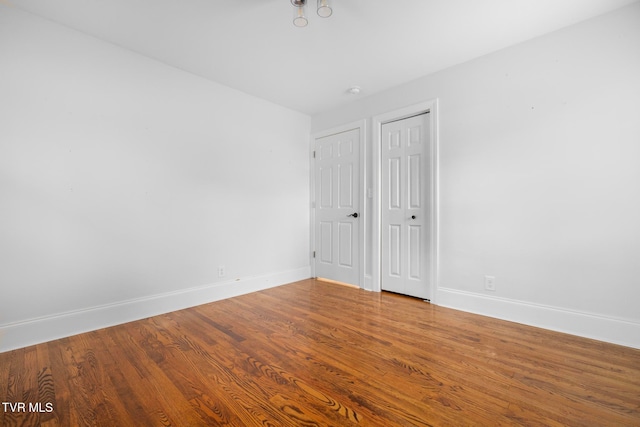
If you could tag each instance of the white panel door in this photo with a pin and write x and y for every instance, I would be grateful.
(337, 194)
(405, 207)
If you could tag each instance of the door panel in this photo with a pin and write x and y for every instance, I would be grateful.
(325, 242)
(395, 250)
(346, 147)
(346, 185)
(394, 184)
(415, 234)
(415, 136)
(326, 188)
(337, 176)
(405, 211)
(345, 232)
(414, 183)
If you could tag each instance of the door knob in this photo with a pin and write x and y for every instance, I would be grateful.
(355, 215)
(413, 217)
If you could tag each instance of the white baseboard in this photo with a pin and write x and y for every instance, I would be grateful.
(588, 325)
(47, 328)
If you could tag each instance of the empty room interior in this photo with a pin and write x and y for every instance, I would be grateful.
(347, 212)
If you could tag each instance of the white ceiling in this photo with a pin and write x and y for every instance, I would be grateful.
(252, 46)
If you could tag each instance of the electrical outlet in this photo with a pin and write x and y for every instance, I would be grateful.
(490, 283)
(221, 272)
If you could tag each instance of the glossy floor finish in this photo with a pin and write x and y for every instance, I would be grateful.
(314, 353)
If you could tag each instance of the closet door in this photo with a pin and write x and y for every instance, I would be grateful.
(405, 207)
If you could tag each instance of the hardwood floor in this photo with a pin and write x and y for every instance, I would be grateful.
(314, 353)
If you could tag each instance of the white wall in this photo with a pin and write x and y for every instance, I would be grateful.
(539, 177)
(125, 183)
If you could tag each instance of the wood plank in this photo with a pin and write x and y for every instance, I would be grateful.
(317, 353)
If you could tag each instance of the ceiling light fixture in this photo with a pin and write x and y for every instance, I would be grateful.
(300, 11)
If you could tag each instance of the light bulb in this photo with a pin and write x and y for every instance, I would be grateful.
(299, 16)
(324, 8)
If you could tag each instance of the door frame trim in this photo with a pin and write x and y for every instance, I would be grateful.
(361, 125)
(430, 107)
